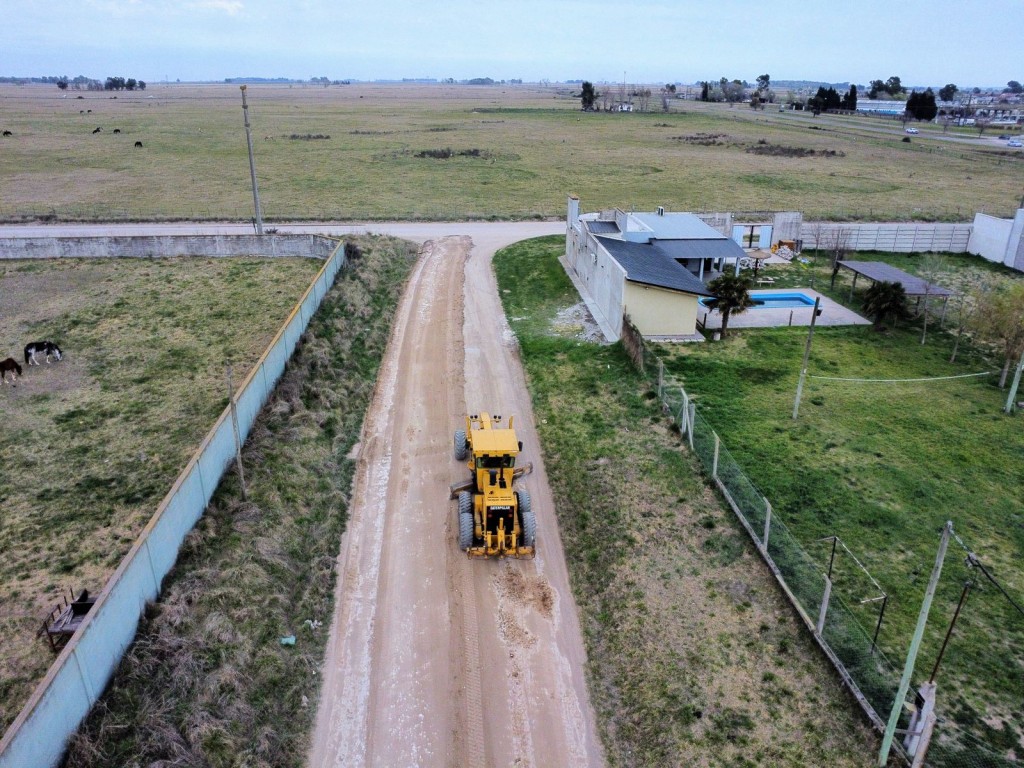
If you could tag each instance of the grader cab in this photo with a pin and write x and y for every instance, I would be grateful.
(495, 519)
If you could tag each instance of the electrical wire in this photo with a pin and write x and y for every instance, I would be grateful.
(903, 381)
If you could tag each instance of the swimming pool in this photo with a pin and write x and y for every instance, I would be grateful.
(786, 300)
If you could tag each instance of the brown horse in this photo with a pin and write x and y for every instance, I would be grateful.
(10, 365)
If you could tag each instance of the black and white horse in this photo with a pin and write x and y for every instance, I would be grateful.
(44, 348)
(10, 365)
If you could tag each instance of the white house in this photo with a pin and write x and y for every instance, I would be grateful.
(651, 266)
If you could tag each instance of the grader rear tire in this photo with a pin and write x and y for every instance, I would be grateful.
(461, 445)
(527, 520)
(465, 520)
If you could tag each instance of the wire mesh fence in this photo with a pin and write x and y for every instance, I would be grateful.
(837, 626)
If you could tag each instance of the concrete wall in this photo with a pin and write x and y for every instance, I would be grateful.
(786, 225)
(990, 237)
(888, 237)
(165, 245)
(77, 678)
(658, 312)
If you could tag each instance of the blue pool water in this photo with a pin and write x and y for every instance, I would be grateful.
(777, 300)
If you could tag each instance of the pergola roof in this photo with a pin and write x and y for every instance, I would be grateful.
(880, 272)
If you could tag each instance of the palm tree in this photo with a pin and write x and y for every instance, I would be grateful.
(884, 300)
(732, 295)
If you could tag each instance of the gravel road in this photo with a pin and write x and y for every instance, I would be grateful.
(437, 660)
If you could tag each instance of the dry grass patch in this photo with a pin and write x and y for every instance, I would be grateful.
(92, 443)
(535, 146)
(207, 680)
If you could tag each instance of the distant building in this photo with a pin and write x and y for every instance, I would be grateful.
(651, 266)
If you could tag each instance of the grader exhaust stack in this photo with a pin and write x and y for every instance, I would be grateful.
(495, 520)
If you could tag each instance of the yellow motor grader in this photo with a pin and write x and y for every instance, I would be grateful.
(495, 520)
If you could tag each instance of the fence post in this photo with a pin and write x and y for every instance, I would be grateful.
(238, 439)
(714, 462)
(824, 606)
(767, 524)
(661, 377)
(684, 412)
(692, 420)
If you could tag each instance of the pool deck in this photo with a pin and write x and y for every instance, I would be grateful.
(832, 313)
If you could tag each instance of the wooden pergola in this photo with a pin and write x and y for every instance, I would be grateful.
(880, 272)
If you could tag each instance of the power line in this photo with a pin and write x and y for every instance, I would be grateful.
(904, 381)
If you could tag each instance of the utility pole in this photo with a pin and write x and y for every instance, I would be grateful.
(252, 166)
(915, 646)
(807, 356)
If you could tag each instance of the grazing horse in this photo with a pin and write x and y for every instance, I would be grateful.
(44, 348)
(10, 365)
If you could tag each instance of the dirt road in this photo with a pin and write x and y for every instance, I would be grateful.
(436, 660)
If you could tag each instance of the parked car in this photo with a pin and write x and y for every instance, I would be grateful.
(1003, 137)
(912, 130)
(1015, 143)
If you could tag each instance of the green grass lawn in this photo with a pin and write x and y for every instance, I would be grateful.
(694, 656)
(517, 152)
(884, 466)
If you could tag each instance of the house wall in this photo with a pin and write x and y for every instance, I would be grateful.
(657, 312)
(599, 274)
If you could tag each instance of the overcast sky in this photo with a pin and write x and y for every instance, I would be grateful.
(924, 42)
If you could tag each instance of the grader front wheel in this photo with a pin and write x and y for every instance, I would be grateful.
(461, 445)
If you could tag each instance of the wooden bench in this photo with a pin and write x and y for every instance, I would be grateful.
(62, 622)
(766, 281)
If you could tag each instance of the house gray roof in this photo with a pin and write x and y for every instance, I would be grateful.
(678, 226)
(650, 264)
(602, 226)
(720, 248)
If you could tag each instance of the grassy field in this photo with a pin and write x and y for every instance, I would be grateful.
(91, 444)
(694, 657)
(884, 466)
(207, 681)
(378, 152)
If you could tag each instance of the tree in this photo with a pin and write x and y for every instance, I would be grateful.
(63, 83)
(921, 106)
(763, 83)
(732, 296)
(877, 86)
(849, 102)
(894, 87)
(704, 90)
(643, 97)
(948, 92)
(1014, 87)
(883, 301)
(825, 99)
(588, 96)
(1000, 321)
(932, 266)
